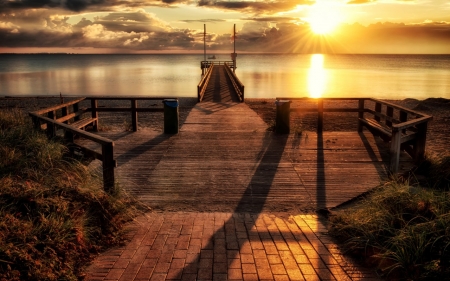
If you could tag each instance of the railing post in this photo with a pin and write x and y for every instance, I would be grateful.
(389, 113)
(360, 114)
(320, 115)
(75, 109)
(65, 111)
(403, 118)
(419, 145)
(51, 128)
(282, 120)
(134, 116)
(94, 112)
(108, 166)
(377, 110)
(395, 150)
(36, 123)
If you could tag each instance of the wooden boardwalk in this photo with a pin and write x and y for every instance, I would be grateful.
(224, 159)
(219, 88)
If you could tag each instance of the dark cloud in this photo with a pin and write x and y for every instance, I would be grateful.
(139, 21)
(257, 7)
(271, 19)
(81, 5)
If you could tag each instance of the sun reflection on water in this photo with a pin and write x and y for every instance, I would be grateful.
(317, 76)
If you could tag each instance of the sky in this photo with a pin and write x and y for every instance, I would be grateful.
(177, 26)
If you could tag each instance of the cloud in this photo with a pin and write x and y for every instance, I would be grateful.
(139, 21)
(204, 20)
(272, 19)
(82, 5)
(256, 7)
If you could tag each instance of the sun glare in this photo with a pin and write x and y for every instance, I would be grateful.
(323, 17)
(317, 77)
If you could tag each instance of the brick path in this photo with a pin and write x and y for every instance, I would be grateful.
(226, 246)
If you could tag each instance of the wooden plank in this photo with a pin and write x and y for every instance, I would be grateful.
(56, 107)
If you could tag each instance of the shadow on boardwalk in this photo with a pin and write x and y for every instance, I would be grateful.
(259, 185)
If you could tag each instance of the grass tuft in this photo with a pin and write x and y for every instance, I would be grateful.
(404, 230)
(54, 214)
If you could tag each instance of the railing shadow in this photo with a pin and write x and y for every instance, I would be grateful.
(379, 164)
(258, 189)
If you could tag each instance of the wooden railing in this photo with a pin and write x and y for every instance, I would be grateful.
(71, 112)
(133, 109)
(404, 128)
(207, 64)
(237, 84)
(201, 87)
(71, 119)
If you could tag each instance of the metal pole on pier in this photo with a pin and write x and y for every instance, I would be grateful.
(204, 48)
(204, 42)
(234, 55)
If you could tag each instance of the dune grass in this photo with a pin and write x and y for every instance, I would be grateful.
(402, 229)
(54, 214)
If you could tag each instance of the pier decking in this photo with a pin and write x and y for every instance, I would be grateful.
(225, 159)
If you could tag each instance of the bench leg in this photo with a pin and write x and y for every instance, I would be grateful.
(419, 145)
(395, 151)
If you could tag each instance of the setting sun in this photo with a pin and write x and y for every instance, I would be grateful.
(323, 17)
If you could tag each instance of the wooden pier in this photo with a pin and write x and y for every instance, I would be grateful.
(225, 159)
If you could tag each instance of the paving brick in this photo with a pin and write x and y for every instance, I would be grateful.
(307, 269)
(220, 267)
(114, 274)
(162, 267)
(219, 277)
(234, 263)
(235, 274)
(158, 277)
(248, 268)
(177, 263)
(274, 259)
(205, 263)
(121, 263)
(281, 278)
(205, 273)
(144, 273)
(179, 254)
(295, 274)
(278, 269)
(250, 277)
(247, 258)
(264, 273)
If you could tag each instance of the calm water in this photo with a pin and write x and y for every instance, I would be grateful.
(264, 76)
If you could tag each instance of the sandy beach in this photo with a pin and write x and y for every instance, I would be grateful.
(438, 137)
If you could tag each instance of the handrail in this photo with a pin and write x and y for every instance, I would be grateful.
(59, 106)
(106, 156)
(237, 84)
(406, 128)
(201, 87)
(206, 64)
(133, 109)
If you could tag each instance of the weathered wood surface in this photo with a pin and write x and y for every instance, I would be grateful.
(225, 159)
(220, 88)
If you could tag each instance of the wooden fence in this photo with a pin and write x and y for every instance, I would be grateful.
(237, 84)
(72, 120)
(404, 128)
(201, 87)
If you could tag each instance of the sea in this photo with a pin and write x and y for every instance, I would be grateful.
(264, 75)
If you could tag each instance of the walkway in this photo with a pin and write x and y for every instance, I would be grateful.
(232, 198)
